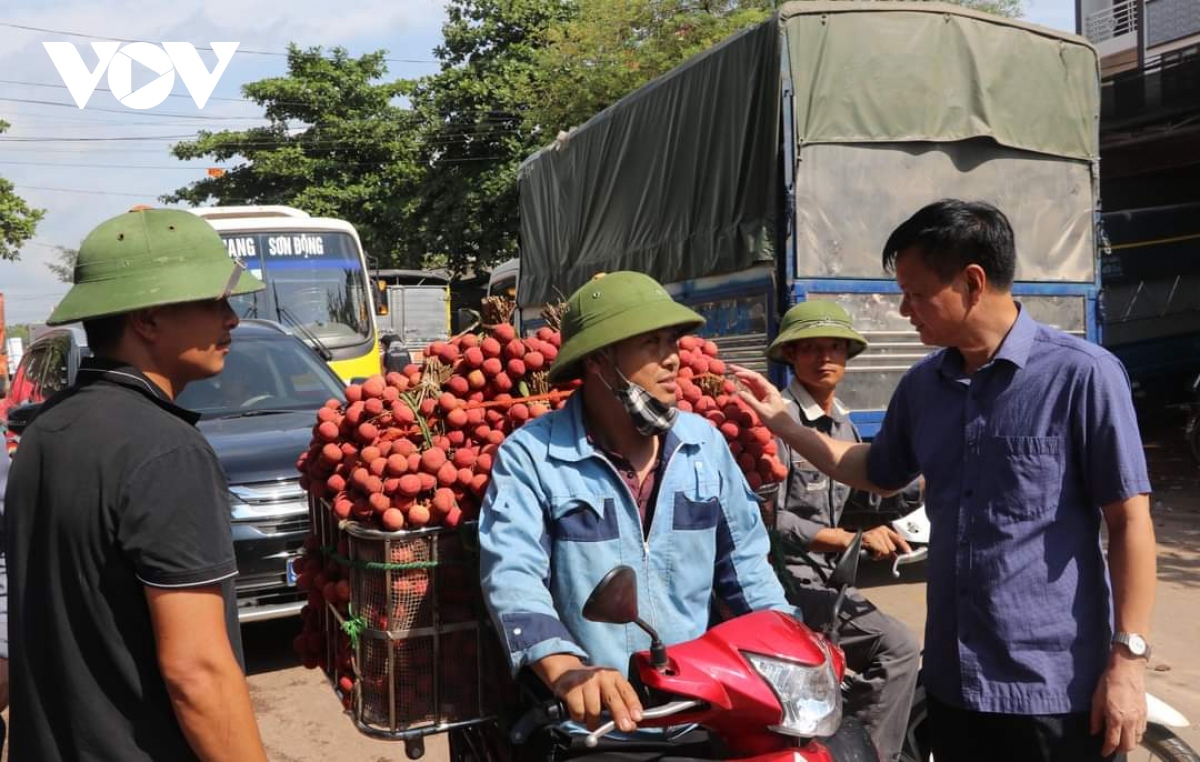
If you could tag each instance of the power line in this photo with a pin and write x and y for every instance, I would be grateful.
(155, 194)
(74, 165)
(318, 143)
(124, 111)
(177, 167)
(240, 49)
(95, 140)
(26, 83)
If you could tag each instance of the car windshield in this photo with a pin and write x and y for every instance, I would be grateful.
(263, 375)
(314, 281)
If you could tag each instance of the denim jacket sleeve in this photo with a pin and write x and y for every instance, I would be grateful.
(515, 561)
(744, 579)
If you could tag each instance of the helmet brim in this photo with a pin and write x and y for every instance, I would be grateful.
(626, 325)
(155, 288)
(857, 344)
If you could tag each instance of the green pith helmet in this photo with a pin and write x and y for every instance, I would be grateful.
(816, 318)
(613, 308)
(149, 258)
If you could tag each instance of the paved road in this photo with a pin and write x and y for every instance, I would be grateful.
(302, 721)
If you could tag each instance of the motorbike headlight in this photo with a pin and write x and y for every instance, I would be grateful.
(811, 697)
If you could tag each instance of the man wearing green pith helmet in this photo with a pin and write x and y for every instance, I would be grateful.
(815, 340)
(123, 629)
(618, 474)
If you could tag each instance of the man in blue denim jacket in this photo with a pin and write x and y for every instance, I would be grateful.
(618, 476)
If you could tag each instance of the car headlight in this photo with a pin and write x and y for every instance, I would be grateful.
(811, 697)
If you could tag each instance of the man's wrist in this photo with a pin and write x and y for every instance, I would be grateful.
(1131, 644)
(1119, 657)
(551, 668)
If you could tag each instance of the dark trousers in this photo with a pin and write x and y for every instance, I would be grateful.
(883, 653)
(962, 735)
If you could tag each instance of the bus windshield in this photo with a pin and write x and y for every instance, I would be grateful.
(315, 282)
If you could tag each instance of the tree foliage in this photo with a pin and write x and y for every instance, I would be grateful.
(64, 268)
(474, 128)
(611, 47)
(335, 145)
(435, 184)
(18, 221)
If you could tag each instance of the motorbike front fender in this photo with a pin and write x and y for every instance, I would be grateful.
(1159, 712)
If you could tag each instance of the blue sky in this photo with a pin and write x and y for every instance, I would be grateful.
(65, 160)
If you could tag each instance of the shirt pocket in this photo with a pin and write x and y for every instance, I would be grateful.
(585, 518)
(1023, 476)
(699, 512)
(808, 479)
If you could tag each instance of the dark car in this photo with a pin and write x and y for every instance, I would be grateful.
(258, 416)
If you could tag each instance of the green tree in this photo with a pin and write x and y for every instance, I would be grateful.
(1010, 8)
(612, 47)
(64, 268)
(609, 48)
(474, 132)
(18, 221)
(335, 144)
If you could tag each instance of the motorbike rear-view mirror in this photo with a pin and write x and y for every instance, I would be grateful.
(841, 579)
(846, 571)
(614, 599)
(20, 417)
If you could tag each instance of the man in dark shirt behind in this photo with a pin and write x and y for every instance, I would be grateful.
(123, 622)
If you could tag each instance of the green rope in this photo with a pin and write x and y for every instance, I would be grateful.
(384, 565)
(353, 628)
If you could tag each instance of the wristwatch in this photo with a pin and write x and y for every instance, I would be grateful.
(1136, 644)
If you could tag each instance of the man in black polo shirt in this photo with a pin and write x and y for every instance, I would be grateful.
(123, 624)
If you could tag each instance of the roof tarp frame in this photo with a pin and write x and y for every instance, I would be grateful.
(678, 180)
(896, 72)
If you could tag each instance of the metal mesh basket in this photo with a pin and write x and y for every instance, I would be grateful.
(426, 659)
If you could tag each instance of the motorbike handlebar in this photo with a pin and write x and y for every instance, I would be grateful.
(902, 559)
(554, 712)
(549, 713)
(654, 713)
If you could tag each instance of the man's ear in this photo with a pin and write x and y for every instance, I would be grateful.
(145, 323)
(589, 364)
(977, 282)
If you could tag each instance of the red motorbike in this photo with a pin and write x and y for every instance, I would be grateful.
(764, 686)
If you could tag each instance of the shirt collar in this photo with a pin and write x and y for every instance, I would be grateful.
(99, 369)
(569, 438)
(1014, 348)
(1019, 341)
(812, 411)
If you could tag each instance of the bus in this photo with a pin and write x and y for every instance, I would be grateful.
(318, 284)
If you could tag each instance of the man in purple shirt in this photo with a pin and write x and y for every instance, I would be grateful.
(1027, 439)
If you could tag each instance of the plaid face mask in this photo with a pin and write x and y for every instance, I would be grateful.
(650, 415)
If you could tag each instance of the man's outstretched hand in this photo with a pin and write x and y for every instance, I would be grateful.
(763, 398)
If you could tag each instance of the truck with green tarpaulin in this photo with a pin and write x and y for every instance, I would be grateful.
(771, 168)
